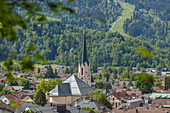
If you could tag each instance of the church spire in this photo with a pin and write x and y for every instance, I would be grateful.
(84, 52)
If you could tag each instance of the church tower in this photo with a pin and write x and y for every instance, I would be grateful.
(84, 66)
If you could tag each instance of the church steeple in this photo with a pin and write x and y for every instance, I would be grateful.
(84, 67)
(84, 52)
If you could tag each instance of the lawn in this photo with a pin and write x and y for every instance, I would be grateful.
(42, 66)
(127, 12)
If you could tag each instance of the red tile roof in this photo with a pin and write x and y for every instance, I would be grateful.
(163, 85)
(156, 88)
(19, 103)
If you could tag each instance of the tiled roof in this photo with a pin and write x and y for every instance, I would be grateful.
(7, 107)
(91, 103)
(156, 88)
(14, 96)
(19, 103)
(145, 110)
(161, 101)
(121, 95)
(23, 96)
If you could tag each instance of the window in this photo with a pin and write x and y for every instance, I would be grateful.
(113, 99)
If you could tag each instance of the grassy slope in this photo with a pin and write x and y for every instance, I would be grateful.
(42, 66)
(126, 13)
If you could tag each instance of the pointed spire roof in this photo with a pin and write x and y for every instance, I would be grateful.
(84, 52)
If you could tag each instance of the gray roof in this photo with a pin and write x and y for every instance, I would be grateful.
(18, 87)
(46, 109)
(88, 102)
(61, 90)
(71, 86)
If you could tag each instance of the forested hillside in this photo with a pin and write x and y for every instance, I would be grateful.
(62, 44)
(150, 21)
(93, 14)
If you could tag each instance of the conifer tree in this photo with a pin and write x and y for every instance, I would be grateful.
(124, 84)
(49, 73)
(130, 83)
(40, 98)
(38, 70)
(55, 73)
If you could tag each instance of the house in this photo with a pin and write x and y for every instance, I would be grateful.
(116, 99)
(161, 102)
(4, 108)
(91, 103)
(7, 97)
(131, 103)
(8, 87)
(27, 98)
(130, 91)
(18, 88)
(69, 90)
(17, 97)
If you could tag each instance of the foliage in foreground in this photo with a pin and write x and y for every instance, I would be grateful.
(100, 97)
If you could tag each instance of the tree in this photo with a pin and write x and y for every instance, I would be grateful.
(144, 82)
(138, 67)
(100, 97)
(24, 82)
(100, 84)
(38, 70)
(49, 73)
(92, 79)
(13, 83)
(66, 71)
(5, 91)
(88, 109)
(115, 73)
(130, 83)
(107, 75)
(39, 75)
(2, 86)
(55, 73)
(40, 98)
(120, 70)
(47, 86)
(11, 20)
(107, 86)
(124, 84)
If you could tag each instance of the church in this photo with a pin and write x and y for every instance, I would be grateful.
(84, 66)
(74, 87)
